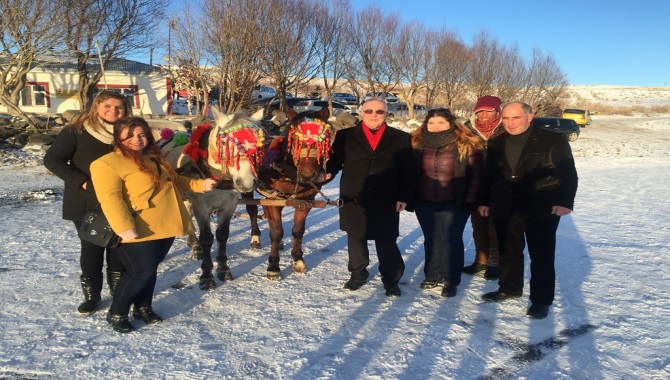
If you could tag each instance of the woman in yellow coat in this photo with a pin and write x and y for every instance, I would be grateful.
(140, 195)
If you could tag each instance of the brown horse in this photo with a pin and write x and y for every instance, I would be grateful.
(291, 174)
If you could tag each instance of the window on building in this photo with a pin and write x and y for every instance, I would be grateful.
(130, 92)
(34, 95)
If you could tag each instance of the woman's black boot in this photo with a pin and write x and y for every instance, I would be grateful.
(91, 286)
(120, 323)
(112, 280)
(146, 313)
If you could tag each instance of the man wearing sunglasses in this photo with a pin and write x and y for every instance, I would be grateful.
(377, 182)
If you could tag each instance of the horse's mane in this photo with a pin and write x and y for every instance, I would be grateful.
(238, 118)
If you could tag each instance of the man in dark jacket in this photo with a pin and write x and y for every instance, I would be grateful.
(530, 181)
(378, 178)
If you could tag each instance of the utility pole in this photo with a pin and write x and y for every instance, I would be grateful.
(102, 66)
(172, 24)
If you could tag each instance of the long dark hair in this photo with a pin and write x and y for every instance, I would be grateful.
(151, 149)
(465, 141)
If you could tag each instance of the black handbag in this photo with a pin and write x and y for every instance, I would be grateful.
(96, 230)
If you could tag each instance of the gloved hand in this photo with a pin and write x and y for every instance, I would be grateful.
(128, 235)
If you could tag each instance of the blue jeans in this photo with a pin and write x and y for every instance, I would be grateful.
(137, 283)
(442, 224)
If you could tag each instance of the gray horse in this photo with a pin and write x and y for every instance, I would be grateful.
(226, 151)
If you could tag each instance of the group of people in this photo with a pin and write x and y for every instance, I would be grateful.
(514, 182)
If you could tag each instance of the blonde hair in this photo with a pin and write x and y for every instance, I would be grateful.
(90, 115)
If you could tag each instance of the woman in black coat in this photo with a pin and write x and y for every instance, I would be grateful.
(69, 158)
(378, 177)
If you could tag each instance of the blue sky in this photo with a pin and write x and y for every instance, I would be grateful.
(618, 42)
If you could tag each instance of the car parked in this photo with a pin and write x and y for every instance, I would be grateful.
(390, 98)
(261, 92)
(567, 127)
(400, 110)
(273, 103)
(344, 98)
(582, 117)
(317, 104)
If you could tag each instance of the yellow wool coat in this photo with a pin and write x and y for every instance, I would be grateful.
(130, 199)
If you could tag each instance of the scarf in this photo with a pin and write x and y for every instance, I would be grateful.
(486, 128)
(104, 134)
(373, 137)
(438, 139)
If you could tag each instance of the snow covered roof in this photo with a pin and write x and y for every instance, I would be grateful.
(114, 64)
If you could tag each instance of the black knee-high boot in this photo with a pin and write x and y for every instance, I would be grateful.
(112, 280)
(91, 286)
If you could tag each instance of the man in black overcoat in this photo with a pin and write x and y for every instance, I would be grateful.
(530, 181)
(378, 179)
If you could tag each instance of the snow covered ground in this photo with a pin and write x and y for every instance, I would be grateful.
(610, 319)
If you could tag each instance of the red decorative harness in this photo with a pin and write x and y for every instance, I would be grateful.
(310, 135)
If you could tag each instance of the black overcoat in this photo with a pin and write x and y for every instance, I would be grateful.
(69, 157)
(545, 176)
(372, 181)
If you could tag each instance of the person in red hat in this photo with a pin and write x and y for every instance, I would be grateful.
(486, 123)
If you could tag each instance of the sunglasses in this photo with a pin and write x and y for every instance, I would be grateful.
(378, 112)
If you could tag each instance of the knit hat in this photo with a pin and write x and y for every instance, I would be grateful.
(488, 103)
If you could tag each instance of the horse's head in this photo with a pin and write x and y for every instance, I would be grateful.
(236, 147)
(309, 138)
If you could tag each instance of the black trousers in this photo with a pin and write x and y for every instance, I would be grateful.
(513, 233)
(137, 283)
(391, 264)
(92, 258)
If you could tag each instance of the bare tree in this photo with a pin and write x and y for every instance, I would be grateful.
(235, 38)
(543, 85)
(509, 70)
(28, 31)
(108, 29)
(332, 34)
(192, 58)
(413, 58)
(452, 63)
(291, 45)
(485, 63)
(373, 41)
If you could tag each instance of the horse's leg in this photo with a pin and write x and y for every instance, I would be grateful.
(252, 210)
(192, 241)
(224, 214)
(202, 215)
(298, 232)
(273, 215)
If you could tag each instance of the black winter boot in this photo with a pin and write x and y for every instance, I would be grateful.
(146, 313)
(91, 286)
(112, 280)
(120, 323)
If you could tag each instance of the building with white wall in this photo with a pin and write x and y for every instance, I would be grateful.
(51, 87)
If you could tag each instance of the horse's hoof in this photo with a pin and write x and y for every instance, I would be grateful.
(274, 276)
(255, 242)
(196, 254)
(207, 284)
(224, 275)
(299, 266)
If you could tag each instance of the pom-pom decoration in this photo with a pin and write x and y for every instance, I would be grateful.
(310, 135)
